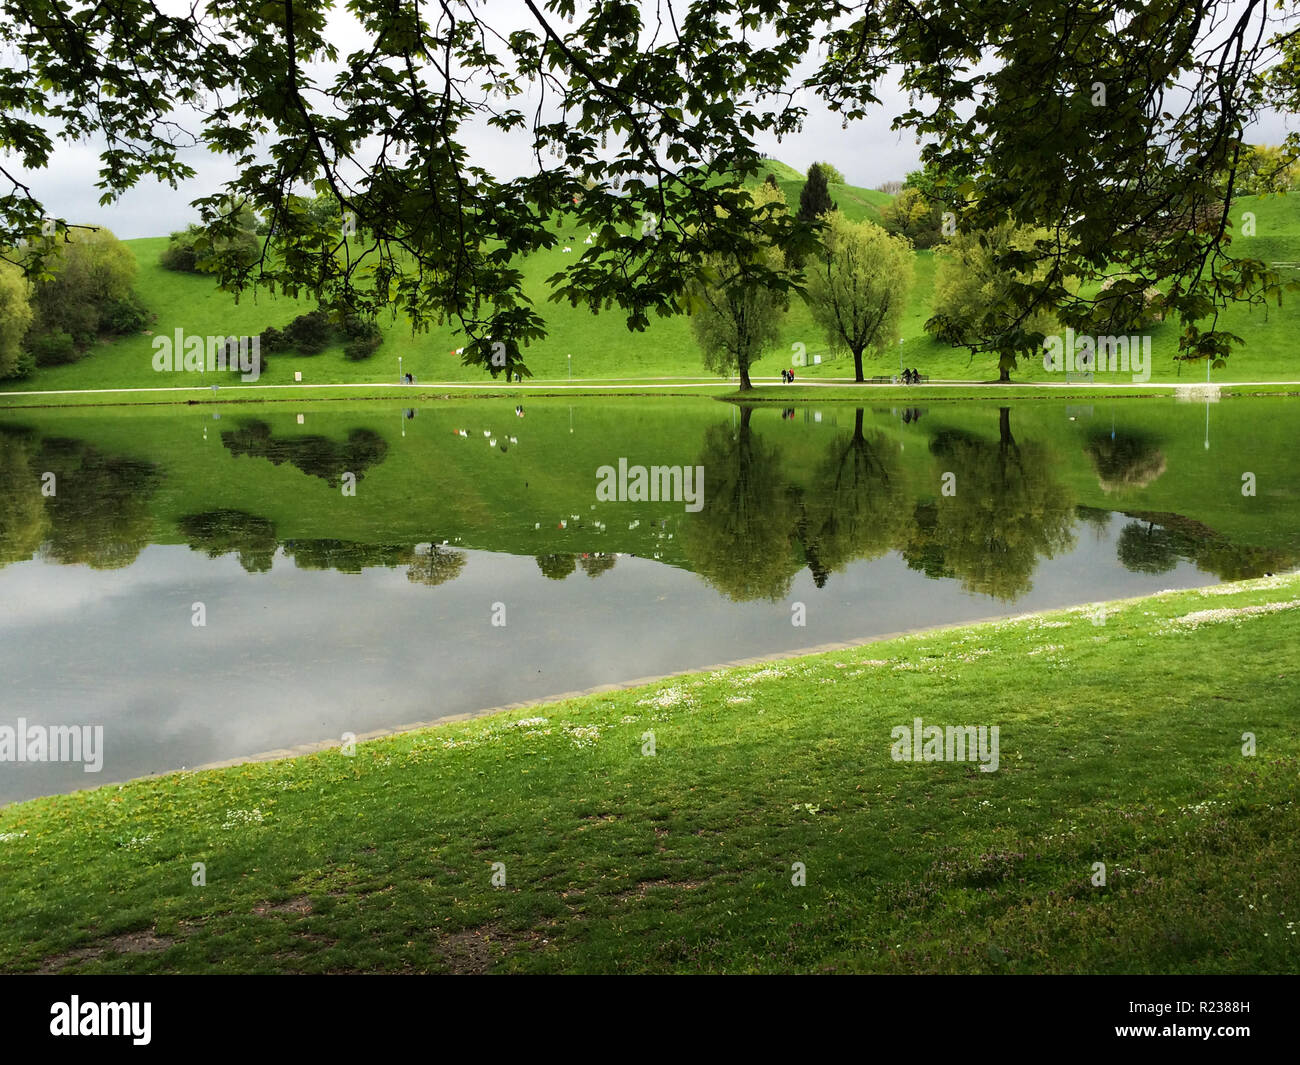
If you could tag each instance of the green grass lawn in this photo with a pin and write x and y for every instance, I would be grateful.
(1120, 743)
(589, 346)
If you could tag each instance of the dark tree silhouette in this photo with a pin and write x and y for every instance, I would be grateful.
(1147, 550)
(815, 196)
(316, 456)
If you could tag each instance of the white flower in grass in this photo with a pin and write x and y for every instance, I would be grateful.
(235, 818)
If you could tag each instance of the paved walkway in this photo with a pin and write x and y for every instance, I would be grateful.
(585, 384)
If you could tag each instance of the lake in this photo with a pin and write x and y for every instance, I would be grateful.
(208, 583)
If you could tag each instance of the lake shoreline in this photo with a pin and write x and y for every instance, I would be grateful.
(773, 394)
(668, 808)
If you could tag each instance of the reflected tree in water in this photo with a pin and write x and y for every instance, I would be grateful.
(923, 550)
(1008, 509)
(22, 507)
(347, 556)
(1096, 518)
(855, 507)
(594, 565)
(438, 565)
(1147, 548)
(1179, 536)
(100, 514)
(220, 532)
(557, 567)
(316, 456)
(741, 541)
(1124, 459)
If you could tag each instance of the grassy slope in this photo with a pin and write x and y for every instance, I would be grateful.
(1120, 743)
(602, 347)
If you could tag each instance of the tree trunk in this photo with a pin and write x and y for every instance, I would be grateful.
(745, 386)
(857, 366)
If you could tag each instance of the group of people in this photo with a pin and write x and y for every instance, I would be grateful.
(911, 377)
(787, 376)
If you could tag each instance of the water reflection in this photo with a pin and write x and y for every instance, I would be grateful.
(316, 456)
(72, 502)
(1124, 460)
(328, 612)
(981, 503)
(1008, 509)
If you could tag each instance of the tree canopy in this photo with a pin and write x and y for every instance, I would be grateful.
(735, 314)
(857, 289)
(1112, 127)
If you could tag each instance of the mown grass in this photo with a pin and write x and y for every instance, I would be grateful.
(1120, 743)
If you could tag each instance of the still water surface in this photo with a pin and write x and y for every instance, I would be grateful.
(328, 612)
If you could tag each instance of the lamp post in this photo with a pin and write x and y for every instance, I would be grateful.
(1207, 404)
(900, 358)
(570, 358)
(400, 378)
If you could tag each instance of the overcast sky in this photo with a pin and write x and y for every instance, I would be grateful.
(868, 153)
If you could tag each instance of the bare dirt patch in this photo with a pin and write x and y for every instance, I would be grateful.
(469, 952)
(642, 889)
(145, 941)
(300, 906)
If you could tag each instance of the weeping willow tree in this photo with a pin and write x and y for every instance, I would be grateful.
(735, 314)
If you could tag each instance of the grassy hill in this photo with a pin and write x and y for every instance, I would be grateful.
(601, 346)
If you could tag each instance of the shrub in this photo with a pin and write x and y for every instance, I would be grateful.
(89, 272)
(310, 333)
(124, 316)
(355, 327)
(246, 247)
(15, 317)
(273, 340)
(179, 254)
(184, 254)
(53, 349)
(362, 347)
